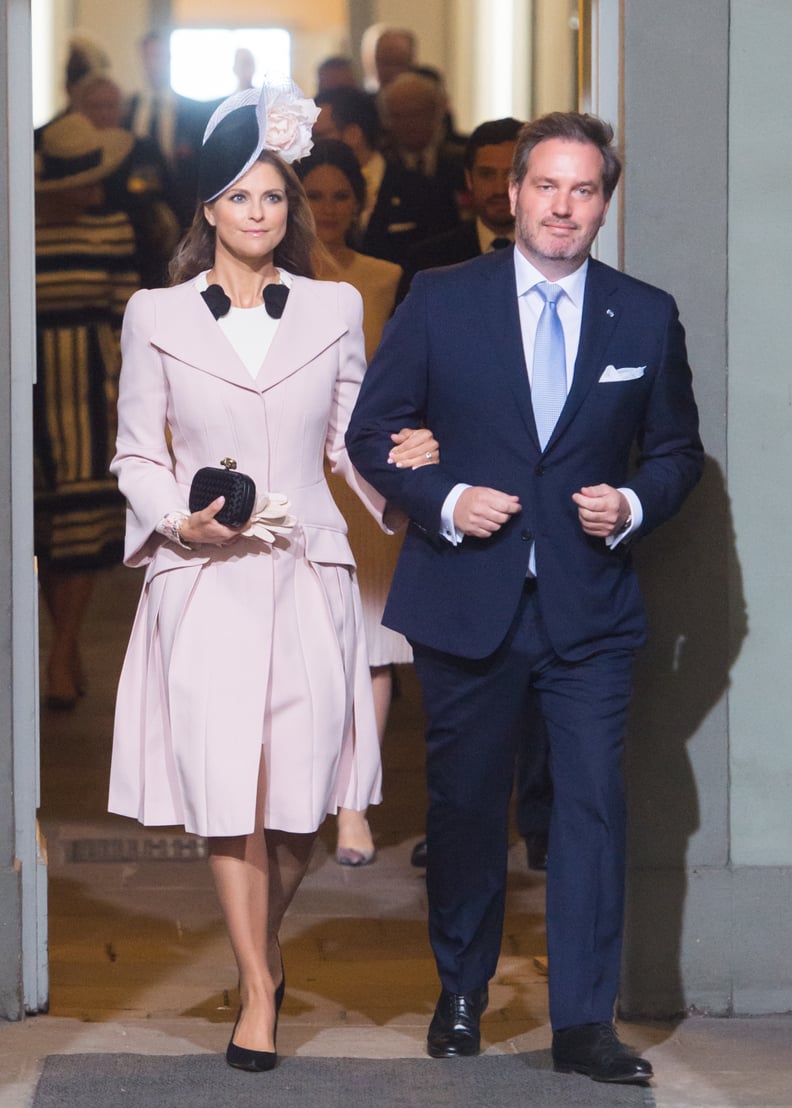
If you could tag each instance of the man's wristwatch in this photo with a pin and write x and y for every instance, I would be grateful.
(626, 525)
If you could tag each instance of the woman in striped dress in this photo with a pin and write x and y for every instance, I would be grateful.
(85, 273)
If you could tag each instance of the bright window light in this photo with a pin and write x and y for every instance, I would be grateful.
(202, 60)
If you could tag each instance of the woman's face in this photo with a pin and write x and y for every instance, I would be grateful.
(333, 203)
(251, 217)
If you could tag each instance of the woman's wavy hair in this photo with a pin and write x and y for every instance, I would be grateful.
(195, 253)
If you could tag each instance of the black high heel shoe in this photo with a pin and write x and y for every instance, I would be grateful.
(280, 993)
(254, 1061)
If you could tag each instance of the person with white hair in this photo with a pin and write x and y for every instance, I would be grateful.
(424, 167)
(385, 52)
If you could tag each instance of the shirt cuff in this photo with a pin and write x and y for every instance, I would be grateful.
(448, 531)
(170, 526)
(636, 519)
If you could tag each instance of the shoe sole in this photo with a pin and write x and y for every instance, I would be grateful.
(637, 1079)
(453, 1052)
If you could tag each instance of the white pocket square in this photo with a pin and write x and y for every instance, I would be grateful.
(627, 373)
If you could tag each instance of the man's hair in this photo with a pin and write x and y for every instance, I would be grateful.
(491, 133)
(573, 127)
(352, 105)
(413, 80)
(335, 61)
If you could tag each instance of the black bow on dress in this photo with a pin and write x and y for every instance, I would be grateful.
(219, 304)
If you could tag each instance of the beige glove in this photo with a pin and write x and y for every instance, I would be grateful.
(270, 517)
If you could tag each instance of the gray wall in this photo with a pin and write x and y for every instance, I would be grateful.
(10, 884)
(23, 971)
(706, 94)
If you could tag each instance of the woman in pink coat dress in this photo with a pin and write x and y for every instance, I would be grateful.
(244, 708)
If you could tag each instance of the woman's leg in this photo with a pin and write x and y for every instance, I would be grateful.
(66, 596)
(241, 870)
(382, 687)
(256, 877)
(355, 846)
(289, 856)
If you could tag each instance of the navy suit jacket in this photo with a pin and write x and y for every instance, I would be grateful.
(179, 179)
(409, 208)
(458, 245)
(452, 358)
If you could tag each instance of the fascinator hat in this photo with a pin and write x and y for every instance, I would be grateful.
(276, 117)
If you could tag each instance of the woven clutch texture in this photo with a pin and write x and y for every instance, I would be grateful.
(238, 489)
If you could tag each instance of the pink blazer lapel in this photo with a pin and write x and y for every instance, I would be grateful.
(308, 326)
(185, 329)
(188, 331)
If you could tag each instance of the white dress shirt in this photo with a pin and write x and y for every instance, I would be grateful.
(486, 237)
(373, 172)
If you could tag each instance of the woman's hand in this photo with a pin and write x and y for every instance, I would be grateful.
(415, 447)
(202, 527)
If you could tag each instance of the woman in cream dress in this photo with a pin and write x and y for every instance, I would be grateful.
(244, 709)
(336, 191)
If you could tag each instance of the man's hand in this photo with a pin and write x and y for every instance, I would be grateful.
(480, 512)
(602, 510)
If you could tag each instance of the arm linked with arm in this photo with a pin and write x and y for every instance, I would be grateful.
(393, 396)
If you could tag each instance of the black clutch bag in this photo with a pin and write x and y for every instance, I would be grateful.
(238, 489)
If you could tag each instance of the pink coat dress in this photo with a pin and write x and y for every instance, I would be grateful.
(252, 647)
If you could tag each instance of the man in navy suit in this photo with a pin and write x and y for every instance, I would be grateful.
(515, 573)
(489, 153)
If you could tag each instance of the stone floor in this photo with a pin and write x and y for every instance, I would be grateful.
(139, 961)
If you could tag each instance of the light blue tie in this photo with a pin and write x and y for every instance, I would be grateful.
(548, 382)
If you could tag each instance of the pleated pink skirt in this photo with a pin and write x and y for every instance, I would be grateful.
(258, 653)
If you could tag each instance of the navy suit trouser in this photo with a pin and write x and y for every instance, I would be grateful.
(475, 723)
(534, 784)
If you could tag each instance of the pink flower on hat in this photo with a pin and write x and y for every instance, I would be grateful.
(289, 124)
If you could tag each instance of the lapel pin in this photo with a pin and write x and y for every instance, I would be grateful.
(609, 312)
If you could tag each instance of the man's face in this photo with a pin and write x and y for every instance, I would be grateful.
(101, 103)
(559, 207)
(412, 116)
(155, 55)
(392, 56)
(325, 126)
(336, 76)
(488, 181)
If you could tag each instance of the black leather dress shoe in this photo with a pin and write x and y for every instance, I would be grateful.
(536, 850)
(594, 1050)
(454, 1029)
